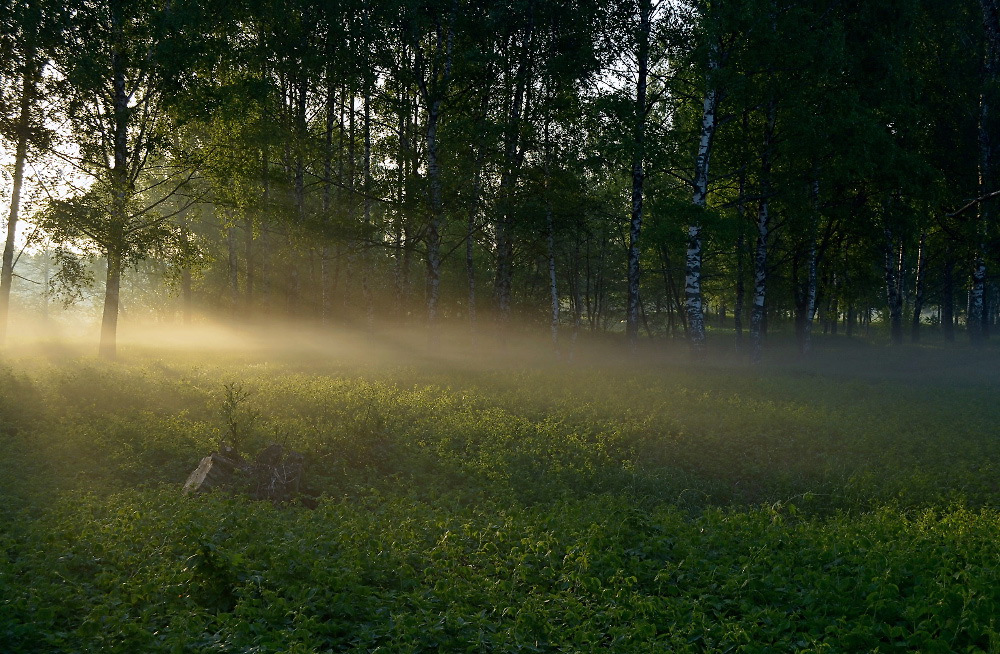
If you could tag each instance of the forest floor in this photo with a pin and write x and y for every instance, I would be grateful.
(501, 501)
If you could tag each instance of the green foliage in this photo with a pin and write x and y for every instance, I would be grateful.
(238, 418)
(540, 510)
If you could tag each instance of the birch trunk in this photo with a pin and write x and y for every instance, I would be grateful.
(918, 288)
(7, 270)
(234, 280)
(577, 299)
(893, 255)
(740, 244)
(264, 250)
(470, 228)
(433, 97)
(503, 280)
(757, 314)
(974, 321)
(553, 286)
(809, 314)
(366, 280)
(112, 292)
(948, 300)
(760, 283)
(988, 177)
(692, 278)
(638, 177)
(324, 257)
(29, 91)
(400, 227)
(119, 208)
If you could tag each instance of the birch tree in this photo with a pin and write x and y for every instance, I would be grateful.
(120, 65)
(30, 30)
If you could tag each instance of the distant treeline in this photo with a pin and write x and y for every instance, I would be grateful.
(582, 164)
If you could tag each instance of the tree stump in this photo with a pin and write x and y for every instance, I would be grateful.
(274, 475)
(215, 470)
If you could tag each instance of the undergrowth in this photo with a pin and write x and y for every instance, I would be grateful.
(549, 509)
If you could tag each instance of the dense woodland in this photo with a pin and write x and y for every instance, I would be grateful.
(574, 164)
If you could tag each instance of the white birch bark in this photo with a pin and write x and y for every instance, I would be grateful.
(638, 177)
(988, 144)
(757, 313)
(760, 283)
(811, 281)
(918, 289)
(894, 299)
(974, 322)
(553, 286)
(692, 278)
(7, 270)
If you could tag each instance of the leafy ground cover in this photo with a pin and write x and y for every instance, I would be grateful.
(504, 508)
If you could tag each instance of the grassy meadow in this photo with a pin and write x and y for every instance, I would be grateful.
(502, 503)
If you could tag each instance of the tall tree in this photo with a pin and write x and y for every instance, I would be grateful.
(120, 66)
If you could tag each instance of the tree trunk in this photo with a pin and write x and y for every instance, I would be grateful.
(29, 83)
(948, 299)
(638, 176)
(503, 280)
(119, 212)
(434, 93)
(366, 273)
(234, 271)
(112, 290)
(809, 305)
(692, 285)
(918, 288)
(324, 257)
(7, 271)
(974, 320)
(763, 230)
(893, 262)
(989, 142)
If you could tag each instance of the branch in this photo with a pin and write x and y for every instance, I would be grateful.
(972, 203)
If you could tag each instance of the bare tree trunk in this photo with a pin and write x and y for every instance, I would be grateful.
(324, 257)
(918, 290)
(234, 271)
(692, 285)
(740, 244)
(763, 226)
(503, 280)
(248, 254)
(948, 299)
(366, 273)
(988, 144)
(29, 83)
(400, 226)
(434, 93)
(638, 177)
(577, 299)
(470, 228)
(119, 207)
(264, 250)
(109, 320)
(809, 309)
(893, 256)
(7, 274)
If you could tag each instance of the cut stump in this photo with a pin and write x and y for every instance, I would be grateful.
(274, 475)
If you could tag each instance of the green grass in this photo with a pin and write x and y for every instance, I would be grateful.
(508, 508)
